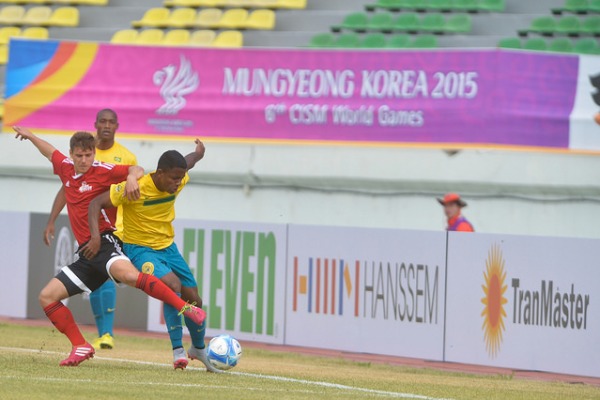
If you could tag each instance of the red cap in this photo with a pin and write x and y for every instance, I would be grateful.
(452, 198)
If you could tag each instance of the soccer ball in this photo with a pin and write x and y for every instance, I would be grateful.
(224, 352)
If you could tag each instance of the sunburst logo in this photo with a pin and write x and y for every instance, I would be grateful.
(493, 301)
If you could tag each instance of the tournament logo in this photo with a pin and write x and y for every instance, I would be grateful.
(493, 313)
(148, 268)
(175, 83)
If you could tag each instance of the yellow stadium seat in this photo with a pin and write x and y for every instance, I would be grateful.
(36, 16)
(295, 4)
(150, 37)
(63, 16)
(202, 37)
(7, 32)
(90, 2)
(3, 54)
(261, 19)
(265, 3)
(234, 18)
(12, 15)
(35, 32)
(124, 36)
(239, 3)
(153, 17)
(176, 37)
(229, 39)
(181, 18)
(194, 3)
(208, 18)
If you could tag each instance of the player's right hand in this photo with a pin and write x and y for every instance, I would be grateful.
(22, 133)
(49, 234)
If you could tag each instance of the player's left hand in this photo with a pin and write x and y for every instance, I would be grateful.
(132, 189)
(90, 249)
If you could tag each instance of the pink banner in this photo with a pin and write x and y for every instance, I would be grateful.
(439, 97)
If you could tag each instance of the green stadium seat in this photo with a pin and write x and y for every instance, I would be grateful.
(407, 22)
(374, 41)
(542, 25)
(353, 22)
(433, 23)
(381, 22)
(537, 44)
(561, 45)
(465, 5)
(323, 40)
(510, 43)
(586, 46)
(590, 26)
(459, 24)
(492, 5)
(594, 6)
(400, 41)
(348, 41)
(568, 25)
(392, 5)
(424, 42)
(438, 5)
(574, 6)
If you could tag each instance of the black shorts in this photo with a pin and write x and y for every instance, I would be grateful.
(86, 275)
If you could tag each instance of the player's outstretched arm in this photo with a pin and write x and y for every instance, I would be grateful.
(197, 155)
(59, 203)
(44, 147)
(90, 249)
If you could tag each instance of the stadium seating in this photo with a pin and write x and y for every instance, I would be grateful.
(3, 54)
(409, 22)
(63, 16)
(233, 18)
(260, 19)
(36, 15)
(351, 40)
(564, 26)
(208, 18)
(150, 36)
(578, 7)
(176, 37)
(202, 38)
(154, 17)
(124, 36)
(35, 32)
(7, 32)
(180, 18)
(11, 15)
(229, 39)
(289, 4)
(439, 5)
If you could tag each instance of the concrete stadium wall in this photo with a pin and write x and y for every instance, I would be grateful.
(532, 193)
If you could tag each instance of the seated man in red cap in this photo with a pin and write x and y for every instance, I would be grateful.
(452, 206)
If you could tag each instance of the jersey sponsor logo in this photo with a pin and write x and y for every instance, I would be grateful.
(118, 159)
(85, 187)
(175, 83)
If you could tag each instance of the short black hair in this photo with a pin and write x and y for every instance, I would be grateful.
(171, 159)
(108, 110)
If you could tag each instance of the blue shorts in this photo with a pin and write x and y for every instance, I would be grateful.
(160, 262)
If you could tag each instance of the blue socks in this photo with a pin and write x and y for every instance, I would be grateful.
(103, 301)
(197, 332)
(173, 322)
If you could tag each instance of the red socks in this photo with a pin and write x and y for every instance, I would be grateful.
(154, 287)
(63, 320)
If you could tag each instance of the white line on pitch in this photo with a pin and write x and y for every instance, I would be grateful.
(248, 374)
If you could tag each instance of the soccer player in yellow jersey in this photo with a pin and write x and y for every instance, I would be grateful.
(148, 240)
(103, 300)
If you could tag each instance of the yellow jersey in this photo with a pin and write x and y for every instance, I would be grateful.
(117, 154)
(149, 220)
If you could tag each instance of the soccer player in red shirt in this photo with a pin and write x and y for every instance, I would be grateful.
(84, 179)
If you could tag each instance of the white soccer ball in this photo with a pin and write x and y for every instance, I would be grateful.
(224, 352)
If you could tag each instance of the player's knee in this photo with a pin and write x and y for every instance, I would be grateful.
(45, 298)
